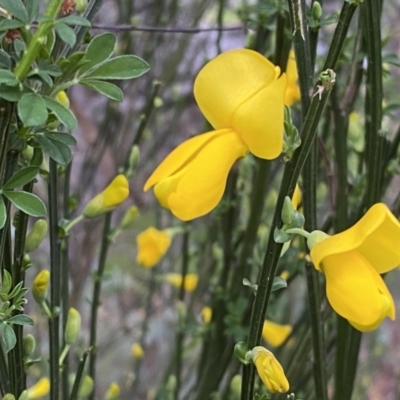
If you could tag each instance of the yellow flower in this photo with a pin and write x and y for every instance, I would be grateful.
(190, 282)
(296, 198)
(152, 244)
(292, 93)
(241, 94)
(137, 350)
(40, 286)
(206, 313)
(112, 392)
(63, 99)
(275, 334)
(270, 370)
(112, 196)
(352, 262)
(40, 389)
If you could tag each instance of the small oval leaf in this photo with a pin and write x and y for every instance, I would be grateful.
(21, 177)
(8, 337)
(32, 110)
(27, 202)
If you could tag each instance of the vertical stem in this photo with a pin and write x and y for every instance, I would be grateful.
(55, 279)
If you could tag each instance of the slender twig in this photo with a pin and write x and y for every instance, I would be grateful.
(79, 375)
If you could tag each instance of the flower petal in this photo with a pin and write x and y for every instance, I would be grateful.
(376, 236)
(355, 290)
(275, 334)
(292, 93)
(229, 80)
(198, 187)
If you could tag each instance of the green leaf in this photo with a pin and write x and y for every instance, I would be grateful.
(66, 34)
(32, 9)
(32, 110)
(21, 177)
(122, 67)
(16, 8)
(63, 114)
(99, 50)
(8, 77)
(8, 338)
(5, 60)
(279, 283)
(56, 149)
(3, 213)
(20, 319)
(6, 24)
(107, 89)
(27, 202)
(14, 93)
(71, 64)
(62, 137)
(75, 20)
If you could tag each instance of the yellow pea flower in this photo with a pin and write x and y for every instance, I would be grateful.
(40, 286)
(206, 313)
(270, 370)
(241, 94)
(352, 262)
(112, 392)
(275, 334)
(137, 350)
(112, 196)
(189, 284)
(40, 389)
(296, 198)
(152, 244)
(292, 93)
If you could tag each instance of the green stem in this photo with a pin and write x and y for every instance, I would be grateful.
(38, 40)
(72, 223)
(79, 375)
(63, 354)
(98, 278)
(55, 287)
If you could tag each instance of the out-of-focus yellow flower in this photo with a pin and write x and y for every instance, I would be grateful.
(270, 370)
(137, 350)
(189, 284)
(40, 286)
(241, 94)
(285, 275)
(275, 334)
(112, 392)
(39, 389)
(112, 196)
(352, 262)
(152, 244)
(206, 313)
(63, 99)
(296, 198)
(292, 93)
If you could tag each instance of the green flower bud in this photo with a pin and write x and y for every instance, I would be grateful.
(36, 235)
(86, 387)
(29, 345)
(26, 262)
(134, 158)
(287, 211)
(129, 216)
(80, 5)
(73, 326)
(27, 153)
(316, 10)
(24, 395)
(240, 351)
(40, 286)
(236, 384)
(8, 396)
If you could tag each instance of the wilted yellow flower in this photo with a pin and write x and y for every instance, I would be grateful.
(270, 370)
(275, 334)
(292, 93)
(241, 94)
(152, 244)
(190, 282)
(137, 350)
(40, 286)
(112, 392)
(112, 196)
(63, 99)
(40, 389)
(352, 262)
(206, 313)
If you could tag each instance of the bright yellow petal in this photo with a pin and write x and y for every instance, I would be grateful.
(200, 184)
(292, 93)
(116, 192)
(376, 236)
(259, 120)
(355, 290)
(152, 244)
(275, 334)
(296, 198)
(228, 81)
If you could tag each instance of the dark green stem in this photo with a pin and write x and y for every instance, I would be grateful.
(79, 375)
(105, 244)
(55, 287)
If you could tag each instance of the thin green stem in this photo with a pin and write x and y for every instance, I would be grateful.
(72, 223)
(79, 375)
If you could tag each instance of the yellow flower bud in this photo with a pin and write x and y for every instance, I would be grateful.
(86, 387)
(137, 350)
(206, 314)
(189, 284)
(36, 235)
(152, 244)
(111, 197)
(40, 389)
(269, 370)
(63, 99)
(73, 326)
(112, 392)
(275, 334)
(130, 215)
(40, 286)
